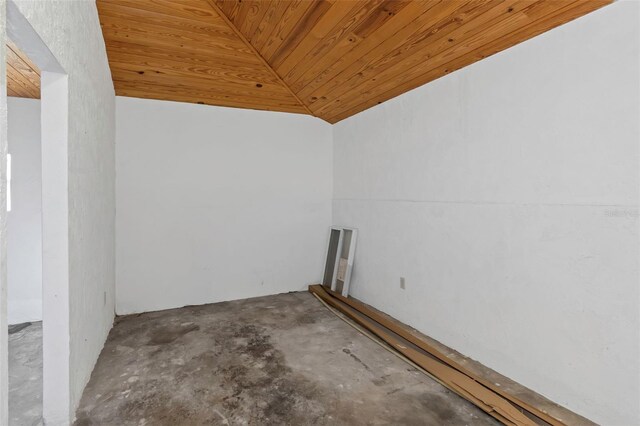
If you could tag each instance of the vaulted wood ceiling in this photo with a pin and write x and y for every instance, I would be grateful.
(23, 76)
(328, 58)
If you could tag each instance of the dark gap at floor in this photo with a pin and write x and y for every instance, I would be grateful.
(14, 328)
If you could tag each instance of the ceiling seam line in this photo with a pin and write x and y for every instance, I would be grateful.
(257, 54)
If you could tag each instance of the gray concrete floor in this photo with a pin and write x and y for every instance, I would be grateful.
(25, 376)
(275, 360)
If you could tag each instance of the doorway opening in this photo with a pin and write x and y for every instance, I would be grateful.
(24, 238)
(37, 231)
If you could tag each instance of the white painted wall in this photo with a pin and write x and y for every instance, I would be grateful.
(217, 204)
(75, 39)
(24, 222)
(4, 349)
(56, 328)
(507, 196)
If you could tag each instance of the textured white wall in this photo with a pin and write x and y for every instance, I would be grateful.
(71, 30)
(507, 196)
(54, 109)
(217, 203)
(4, 350)
(24, 222)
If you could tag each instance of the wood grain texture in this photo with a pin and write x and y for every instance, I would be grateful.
(186, 51)
(544, 409)
(328, 58)
(257, 54)
(535, 404)
(23, 76)
(465, 386)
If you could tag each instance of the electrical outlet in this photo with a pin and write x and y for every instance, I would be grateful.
(104, 298)
(402, 283)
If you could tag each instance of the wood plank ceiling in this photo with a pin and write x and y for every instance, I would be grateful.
(328, 58)
(23, 76)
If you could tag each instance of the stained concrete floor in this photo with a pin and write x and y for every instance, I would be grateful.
(25, 376)
(275, 360)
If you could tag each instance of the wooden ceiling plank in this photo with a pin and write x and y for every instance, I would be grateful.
(11, 91)
(230, 7)
(383, 19)
(268, 24)
(214, 52)
(206, 69)
(246, 14)
(332, 22)
(146, 9)
(11, 88)
(425, 18)
(340, 57)
(301, 60)
(144, 94)
(187, 89)
(295, 12)
(22, 84)
(210, 58)
(190, 56)
(189, 9)
(156, 35)
(258, 93)
(115, 13)
(188, 94)
(371, 24)
(20, 80)
(18, 90)
(259, 57)
(436, 23)
(179, 94)
(24, 68)
(349, 48)
(23, 57)
(184, 79)
(259, 9)
(278, 52)
(23, 76)
(382, 69)
(414, 65)
(178, 97)
(539, 26)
